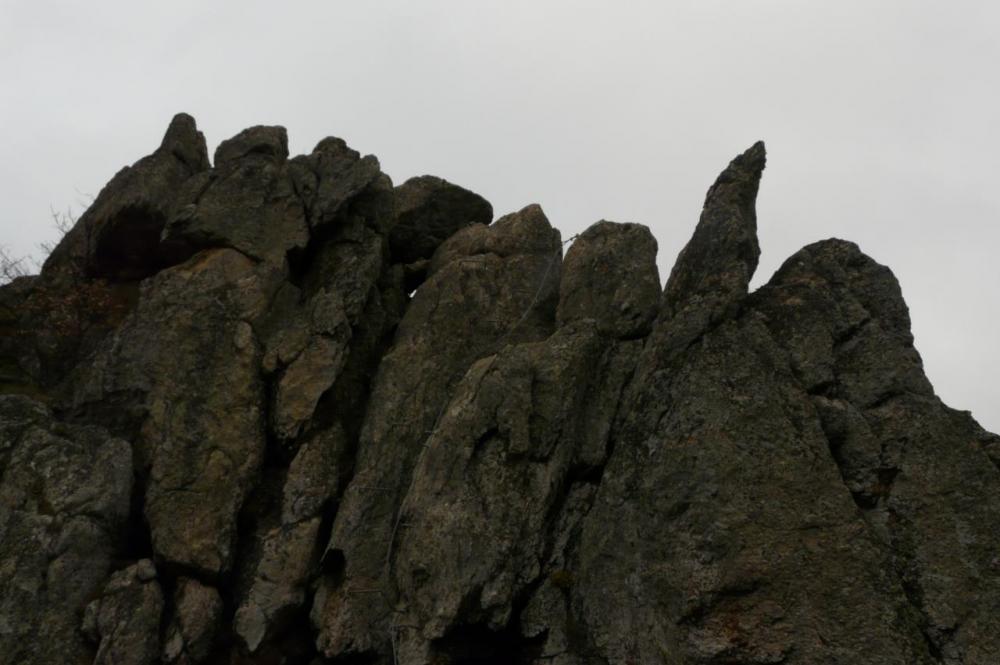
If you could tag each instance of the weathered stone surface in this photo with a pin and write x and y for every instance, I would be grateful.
(610, 275)
(285, 555)
(50, 322)
(524, 232)
(126, 617)
(721, 527)
(475, 300)
(331, 176)
(347, 302)
(196, 621)
(991, 444)
(322, 340)
(247, 202)
(499, 489)
(312, 367)
(712, 273)
(64, 502)
(187, 355)
(527, 460)
(430, 210)
(271, 143)
(840, 313)
(314, 476)
(915, 467)
(522, 429)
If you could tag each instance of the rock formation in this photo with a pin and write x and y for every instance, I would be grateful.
(262, 410)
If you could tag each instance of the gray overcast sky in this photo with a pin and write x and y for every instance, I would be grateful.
(880, 119)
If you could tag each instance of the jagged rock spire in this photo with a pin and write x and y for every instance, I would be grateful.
(712, 273)
(183, 140)
(719, 260)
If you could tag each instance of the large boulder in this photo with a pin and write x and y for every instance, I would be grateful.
(610, 275)
(329, 178)
(429, 210)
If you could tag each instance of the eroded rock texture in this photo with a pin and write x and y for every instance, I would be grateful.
(273, 409)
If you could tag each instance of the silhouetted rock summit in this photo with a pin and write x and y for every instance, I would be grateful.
(277, 410)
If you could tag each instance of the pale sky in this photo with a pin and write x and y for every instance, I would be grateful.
(880, 118)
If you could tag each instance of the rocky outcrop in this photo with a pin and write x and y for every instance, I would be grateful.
(119, 235)
(916, 469)
(487, 286)
(517, 455)
(64, 505)
(247, 202)
(273, 409)
(89, 281)
(190, 332)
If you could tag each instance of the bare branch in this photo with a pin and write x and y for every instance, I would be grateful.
(63, 221)
(12, 267)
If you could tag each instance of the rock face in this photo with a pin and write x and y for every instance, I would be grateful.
(126, 617)
(274, 409)
(64, 504)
